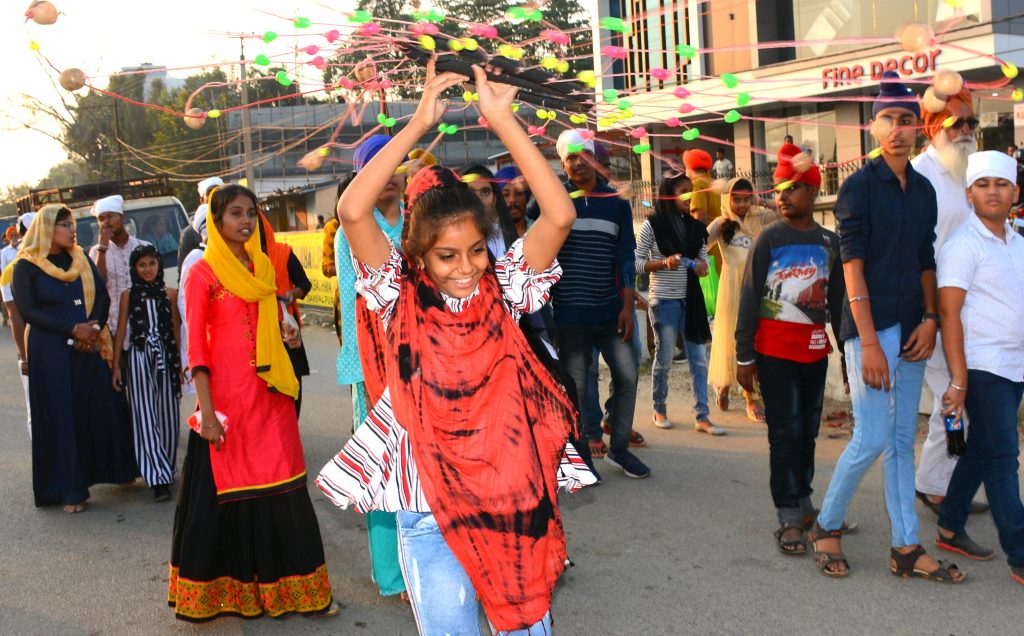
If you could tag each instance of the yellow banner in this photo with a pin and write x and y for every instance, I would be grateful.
(309, 249)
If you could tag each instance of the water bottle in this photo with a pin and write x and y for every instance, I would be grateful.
(956, 442)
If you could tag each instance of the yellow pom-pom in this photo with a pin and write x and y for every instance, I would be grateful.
(470, 44)
(575, 194)
(455, 45)
(33, 45)
(550, 63)
(402, 169)
(213, 114)
(515, 108)
(948, 122)
(605, 122)
(470, 178)
(586, 77)
(874, 154)
(1009, 70)
(785, 185)
(563, 67)
(686, 196)
(323, 152)
(427, 42)
(1017, 95)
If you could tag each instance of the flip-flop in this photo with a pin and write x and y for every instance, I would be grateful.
(755, 413)
(598, 449)
(723, 400)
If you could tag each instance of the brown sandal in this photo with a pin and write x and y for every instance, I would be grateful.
(598, 449)
(824, 559)
(791, 547)
(905, 565)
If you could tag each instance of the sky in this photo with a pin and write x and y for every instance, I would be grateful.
(102, 36)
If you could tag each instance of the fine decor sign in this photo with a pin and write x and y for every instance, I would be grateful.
(910, 64)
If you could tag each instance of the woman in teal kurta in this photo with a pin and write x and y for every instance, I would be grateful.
(386, 571)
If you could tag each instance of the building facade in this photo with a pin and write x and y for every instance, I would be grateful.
(819, 92)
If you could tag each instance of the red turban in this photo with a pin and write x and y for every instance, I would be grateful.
(932, 122)
(697, 159)
(786, 172)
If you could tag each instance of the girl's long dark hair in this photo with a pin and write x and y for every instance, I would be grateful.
(666, 203)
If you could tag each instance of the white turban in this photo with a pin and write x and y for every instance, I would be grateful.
(113, 203)
(572, 137)
(205, 185)
(199, 220)
(25, 220)
(991, 163)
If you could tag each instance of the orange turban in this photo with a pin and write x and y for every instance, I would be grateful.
(785, 171)
(932, 122)
(697, 159)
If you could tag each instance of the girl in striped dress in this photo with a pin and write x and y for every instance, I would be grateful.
(149, 320)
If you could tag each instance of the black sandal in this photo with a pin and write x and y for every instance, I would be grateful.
(792, 547)
(824, 559)
(905, 566)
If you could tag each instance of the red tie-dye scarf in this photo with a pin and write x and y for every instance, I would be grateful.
(488, 424)
(372, 350)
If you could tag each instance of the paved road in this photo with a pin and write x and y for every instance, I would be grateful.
(688, 551)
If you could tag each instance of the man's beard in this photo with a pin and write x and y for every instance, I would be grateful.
(953, 154)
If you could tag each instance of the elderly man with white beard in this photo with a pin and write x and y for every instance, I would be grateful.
(944, 164)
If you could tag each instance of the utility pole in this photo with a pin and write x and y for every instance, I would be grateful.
(117, 133)
(250, 173)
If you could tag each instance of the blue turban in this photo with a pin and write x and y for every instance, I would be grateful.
(505, 175)
(368, 150)
(893, 94)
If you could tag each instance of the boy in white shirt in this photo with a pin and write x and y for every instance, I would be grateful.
(981, 305)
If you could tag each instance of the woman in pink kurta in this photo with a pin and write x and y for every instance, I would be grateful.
(246, 540)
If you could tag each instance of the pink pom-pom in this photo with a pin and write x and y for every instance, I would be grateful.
(556, 37)
(881, 128)
(801, 162)
(948, 83)
(312, 49)
(535, 130)
(346, 83)
(332, 35)
(914, 36)
(681, 92)
(386, 84)
(661, 74)
(483, 122)
(424, 28)
(615, 52)
(484, 31)
(587, 134)
(686, 108)
(318, 62)
(638, 133)
(932, 101)
(370, 28)
(673, 122)
(311, 161)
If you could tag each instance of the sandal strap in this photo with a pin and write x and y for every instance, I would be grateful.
(905, 562)
(817, 533)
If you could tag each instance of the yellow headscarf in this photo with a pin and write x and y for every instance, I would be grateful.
(35, 248)
(260, 286)
(758, 217)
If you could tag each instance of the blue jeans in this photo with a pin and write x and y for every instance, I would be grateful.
(793, 394)
(591, 412)
(442, 596)
(991, 458)
(668, 316)
(576, 349)
(883, 423)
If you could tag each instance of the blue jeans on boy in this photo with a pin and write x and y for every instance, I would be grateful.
(576, 349)
(668, 316)
(883, 423)
(591, 412)
(993, 447)
(443, 598)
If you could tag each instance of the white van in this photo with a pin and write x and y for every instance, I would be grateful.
(150, 213)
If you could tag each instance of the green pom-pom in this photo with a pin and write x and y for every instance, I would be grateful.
(624, 104)
(730, 80)
(610, 95)
(685, 50)
(302, 23)
(641, 148)
(614, 24)
(360, 17)
(732, 117)
(691, 134)
(269, 37)
(571, 148)
(261, 60)
(283, 79)
(743, 99)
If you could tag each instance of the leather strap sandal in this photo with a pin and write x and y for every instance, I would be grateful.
(905, 565)
(824, 559)
(791, 547)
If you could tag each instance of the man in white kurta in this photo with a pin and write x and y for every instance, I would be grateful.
(944, 164)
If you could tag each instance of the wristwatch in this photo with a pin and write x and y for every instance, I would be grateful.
(931, 315)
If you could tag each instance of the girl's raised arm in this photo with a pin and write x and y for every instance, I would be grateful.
(355, 208)
(546, 235)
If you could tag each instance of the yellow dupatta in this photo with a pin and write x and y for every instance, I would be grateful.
(758, 217)
(35, 248)
(272, 362)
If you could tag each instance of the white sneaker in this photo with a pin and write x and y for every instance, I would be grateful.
(662, 423)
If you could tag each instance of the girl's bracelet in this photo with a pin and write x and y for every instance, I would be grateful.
(957, 386)
(869, 344)
(859, 298)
